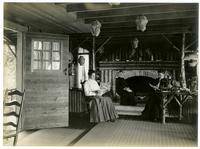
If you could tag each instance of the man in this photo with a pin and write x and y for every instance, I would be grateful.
(125, 93)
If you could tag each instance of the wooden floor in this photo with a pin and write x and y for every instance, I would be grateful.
(123, 132)
(133, 133)
(50, 137)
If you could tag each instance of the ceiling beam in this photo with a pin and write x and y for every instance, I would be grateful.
(82, 7)
(162, 8)
(9, 25)
(151, 23)
(150, 17)
(133, 32)
(152, 28)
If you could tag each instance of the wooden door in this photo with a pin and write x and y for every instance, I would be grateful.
(45, 82)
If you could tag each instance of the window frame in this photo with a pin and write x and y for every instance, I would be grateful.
(41, 59)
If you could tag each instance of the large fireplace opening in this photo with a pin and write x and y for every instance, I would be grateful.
(141, 89)
(140, 85)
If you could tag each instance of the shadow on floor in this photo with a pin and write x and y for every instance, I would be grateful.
(79, 121)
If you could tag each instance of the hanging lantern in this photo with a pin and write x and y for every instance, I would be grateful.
(141, 22)
(192, 63)
(135, 43)
(95, 28)
(192, 59)
(81, 60)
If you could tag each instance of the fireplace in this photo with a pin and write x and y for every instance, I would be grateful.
(141, 72)
(140, 85)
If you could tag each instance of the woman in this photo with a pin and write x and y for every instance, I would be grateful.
(126, 94)
(101, 107)
(153, 109)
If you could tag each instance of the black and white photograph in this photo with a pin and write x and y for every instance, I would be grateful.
(100, 73)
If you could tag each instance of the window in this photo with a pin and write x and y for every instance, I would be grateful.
(46, 55)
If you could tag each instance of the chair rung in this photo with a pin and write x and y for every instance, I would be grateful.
(14, 103)
(10, 123)
(9, 136)
(11, 114)
(15, 92)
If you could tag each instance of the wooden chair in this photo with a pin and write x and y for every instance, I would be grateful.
(13, 105)
(87, 100)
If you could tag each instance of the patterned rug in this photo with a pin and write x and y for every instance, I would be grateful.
(133, 133)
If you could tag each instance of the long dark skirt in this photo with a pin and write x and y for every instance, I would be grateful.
(152, 110)
(102, 109)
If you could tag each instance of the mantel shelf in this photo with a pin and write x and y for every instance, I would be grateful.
(140, 65)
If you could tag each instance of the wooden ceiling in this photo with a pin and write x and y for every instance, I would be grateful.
(165, 20)
(116, 20)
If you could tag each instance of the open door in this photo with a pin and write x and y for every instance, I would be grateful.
(45, 81)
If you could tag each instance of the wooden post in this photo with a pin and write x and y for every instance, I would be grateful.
(93, 53)
(183, 62)
(21, 43)
(19, 61)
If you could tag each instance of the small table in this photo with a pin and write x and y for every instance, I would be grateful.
(181, 96)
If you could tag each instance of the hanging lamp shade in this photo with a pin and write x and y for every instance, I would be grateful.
(95, 28)
(141, 22)
(192, 58)
(193, 63)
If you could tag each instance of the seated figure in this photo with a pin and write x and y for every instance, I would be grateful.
(126, 94)
(101, 107)
(152, 110)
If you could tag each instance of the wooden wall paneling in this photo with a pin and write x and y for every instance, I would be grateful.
(101, 75)
(110, 76)
(106, 76)
(76, 101)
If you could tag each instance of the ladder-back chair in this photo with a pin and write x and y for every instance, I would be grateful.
(13, 105)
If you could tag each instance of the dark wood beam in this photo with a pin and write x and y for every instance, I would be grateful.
(82, 7)
(162, 8)
(102, 45)
(150, 17)
(173, 45)
(152, 23)
(133, 33)
(149, 30)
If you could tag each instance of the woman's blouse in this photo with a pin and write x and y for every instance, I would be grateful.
(90, 87)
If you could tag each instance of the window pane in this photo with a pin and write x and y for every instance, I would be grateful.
(37, 55)
(46, 55)
(55, 56)
(36, 65)
(37, 45)
(56, 65)
(47, 65)
(56, 46)
(46, 46)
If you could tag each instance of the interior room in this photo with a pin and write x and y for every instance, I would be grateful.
(49, 48)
